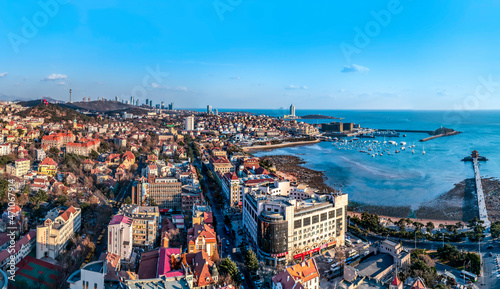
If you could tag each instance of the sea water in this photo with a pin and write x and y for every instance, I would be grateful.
(403, 178)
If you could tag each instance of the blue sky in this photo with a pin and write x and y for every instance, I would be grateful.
(254, 54)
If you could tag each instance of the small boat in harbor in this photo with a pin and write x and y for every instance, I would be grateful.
(423, 151)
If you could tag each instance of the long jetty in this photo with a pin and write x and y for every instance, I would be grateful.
(483, 213)
(407, 130)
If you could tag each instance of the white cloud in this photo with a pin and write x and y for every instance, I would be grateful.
(3, 74)
(54, 76)
(292, 86)
(61, 83)
(354, 68)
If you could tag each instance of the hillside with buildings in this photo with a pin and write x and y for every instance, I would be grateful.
(54, 112)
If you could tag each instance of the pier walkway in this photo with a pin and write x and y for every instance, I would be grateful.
(483, 214)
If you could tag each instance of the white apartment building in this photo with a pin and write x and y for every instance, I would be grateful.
(120, 236)
(91, 276)
(59, 226)
(18, 168)
(4, 149)
(282, 228)
(189, 123)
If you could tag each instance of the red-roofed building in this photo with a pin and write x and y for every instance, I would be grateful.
(204, 271)
(47, 167)
(232, 189)
(202, 238)
(396, 283)
(161, 262)
(418, 284)
(221, 165)
(57, 140)
(59, 226)
(303, 275)
(21, 249)
(83, 148)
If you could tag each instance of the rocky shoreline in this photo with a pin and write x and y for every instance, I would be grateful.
(292, 166)
(458, 204)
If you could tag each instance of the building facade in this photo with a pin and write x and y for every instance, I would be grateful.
(18, 168)
(59, 226)
(166, 192)
(145, 224)
(120, 236)
(283, 229)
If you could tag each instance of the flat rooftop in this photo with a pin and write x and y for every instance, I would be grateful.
(374, 265)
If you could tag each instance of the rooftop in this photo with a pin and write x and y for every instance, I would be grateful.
(374, 265)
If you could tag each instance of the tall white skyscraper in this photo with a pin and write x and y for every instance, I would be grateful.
(209, 109)
(190, 123)
(292, 110)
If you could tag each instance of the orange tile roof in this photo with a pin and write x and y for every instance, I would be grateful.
(304, 271)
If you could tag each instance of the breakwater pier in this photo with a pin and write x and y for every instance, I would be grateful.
(483, 214)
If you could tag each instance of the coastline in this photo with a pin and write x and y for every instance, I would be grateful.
(456, 205)
(281, 145)
(291, 167)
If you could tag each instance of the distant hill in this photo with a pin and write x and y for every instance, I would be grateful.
(30, 103)
(99, 106)
(54, 113)
(134, 110)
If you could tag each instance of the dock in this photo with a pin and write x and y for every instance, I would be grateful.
(483, 213)
(439, 135)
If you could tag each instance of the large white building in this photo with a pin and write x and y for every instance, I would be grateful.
(59, 226)
(283, 228)
(120, 236)
(4, 149)
(91, 276)
(18, 168)
(189, 123)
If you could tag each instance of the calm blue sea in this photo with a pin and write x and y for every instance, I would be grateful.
(404, 178)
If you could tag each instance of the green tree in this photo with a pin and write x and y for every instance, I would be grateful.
(4, 187)
(251, 261)
(40, 196)
(227, 266)
(495, 229)
(128, 201)
(94, 155)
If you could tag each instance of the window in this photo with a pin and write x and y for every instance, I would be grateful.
(297, 224)
(306, 222)
(315, 219)
(323, 217)
(331, 214)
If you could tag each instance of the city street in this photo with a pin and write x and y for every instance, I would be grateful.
(221, 234)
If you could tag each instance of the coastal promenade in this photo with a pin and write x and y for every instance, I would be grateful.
(483, 214)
